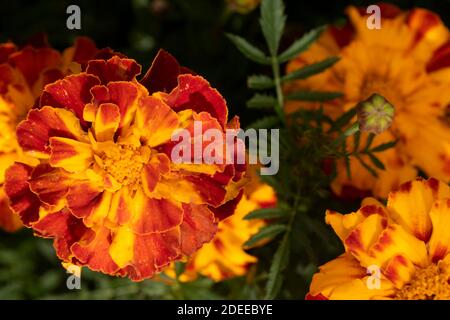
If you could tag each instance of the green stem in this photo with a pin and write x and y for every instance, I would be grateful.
(279, 91)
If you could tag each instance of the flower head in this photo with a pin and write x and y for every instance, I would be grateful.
(23, 74)
(407, 62)
(397, 251)
(105, 187)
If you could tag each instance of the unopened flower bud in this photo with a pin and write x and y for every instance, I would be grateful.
(375, 114)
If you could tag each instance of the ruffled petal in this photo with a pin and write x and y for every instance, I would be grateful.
(94, 252)
(198, 227)
(395, 240)
(156, 121)
(31, 62)
(22, 200)
(123, 94)
(399, 270)
(107, 122)
(155, 215)
(69, 154)
(50, 185)
(162, 74)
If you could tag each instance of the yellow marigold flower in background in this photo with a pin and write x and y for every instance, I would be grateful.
(105, 187)
(397, 251)
(408, 62)
(243, 6)
(225, 257)
(23, 74)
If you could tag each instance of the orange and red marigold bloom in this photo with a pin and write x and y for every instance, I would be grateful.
(404, 246)
(104, 186)
(23, 74)
(408, 62)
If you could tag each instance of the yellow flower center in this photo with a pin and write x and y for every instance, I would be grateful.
(430, 283)
(125, 162)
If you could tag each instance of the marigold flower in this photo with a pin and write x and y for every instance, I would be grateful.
(397, 251)
(105, 187)
(407, 61)
(23, 75)
(224, 257)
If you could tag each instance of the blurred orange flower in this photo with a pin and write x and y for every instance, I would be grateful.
(105, 187)
(23, 74)
(225, 257)
(398, 251)
(408, 62)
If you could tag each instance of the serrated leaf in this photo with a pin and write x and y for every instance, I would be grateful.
(259, 82)
(377, 162)
(272, 23)
(313, 96)
(261, 101)
(310, 70)
(248, 50)
(265, 123)
(269, 231)
(300, 45)
(279, 263)
(384, 146)
(267, 213)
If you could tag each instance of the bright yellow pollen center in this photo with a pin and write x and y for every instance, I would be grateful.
(430, 283)
(125, 163)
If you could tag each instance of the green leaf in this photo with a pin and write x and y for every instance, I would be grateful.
(279, 263)
(265, 123)
(343, 120)
(248, 49)
(310, 70)
(384, 146)
(259, 82)
(269, 231)
(267, 213)
(261, 101)
(272, 23)
(313, 96)
(179, 268)
(365, 165)
(300, 45)
(356, 140)
(369, 141)
(377, 162)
